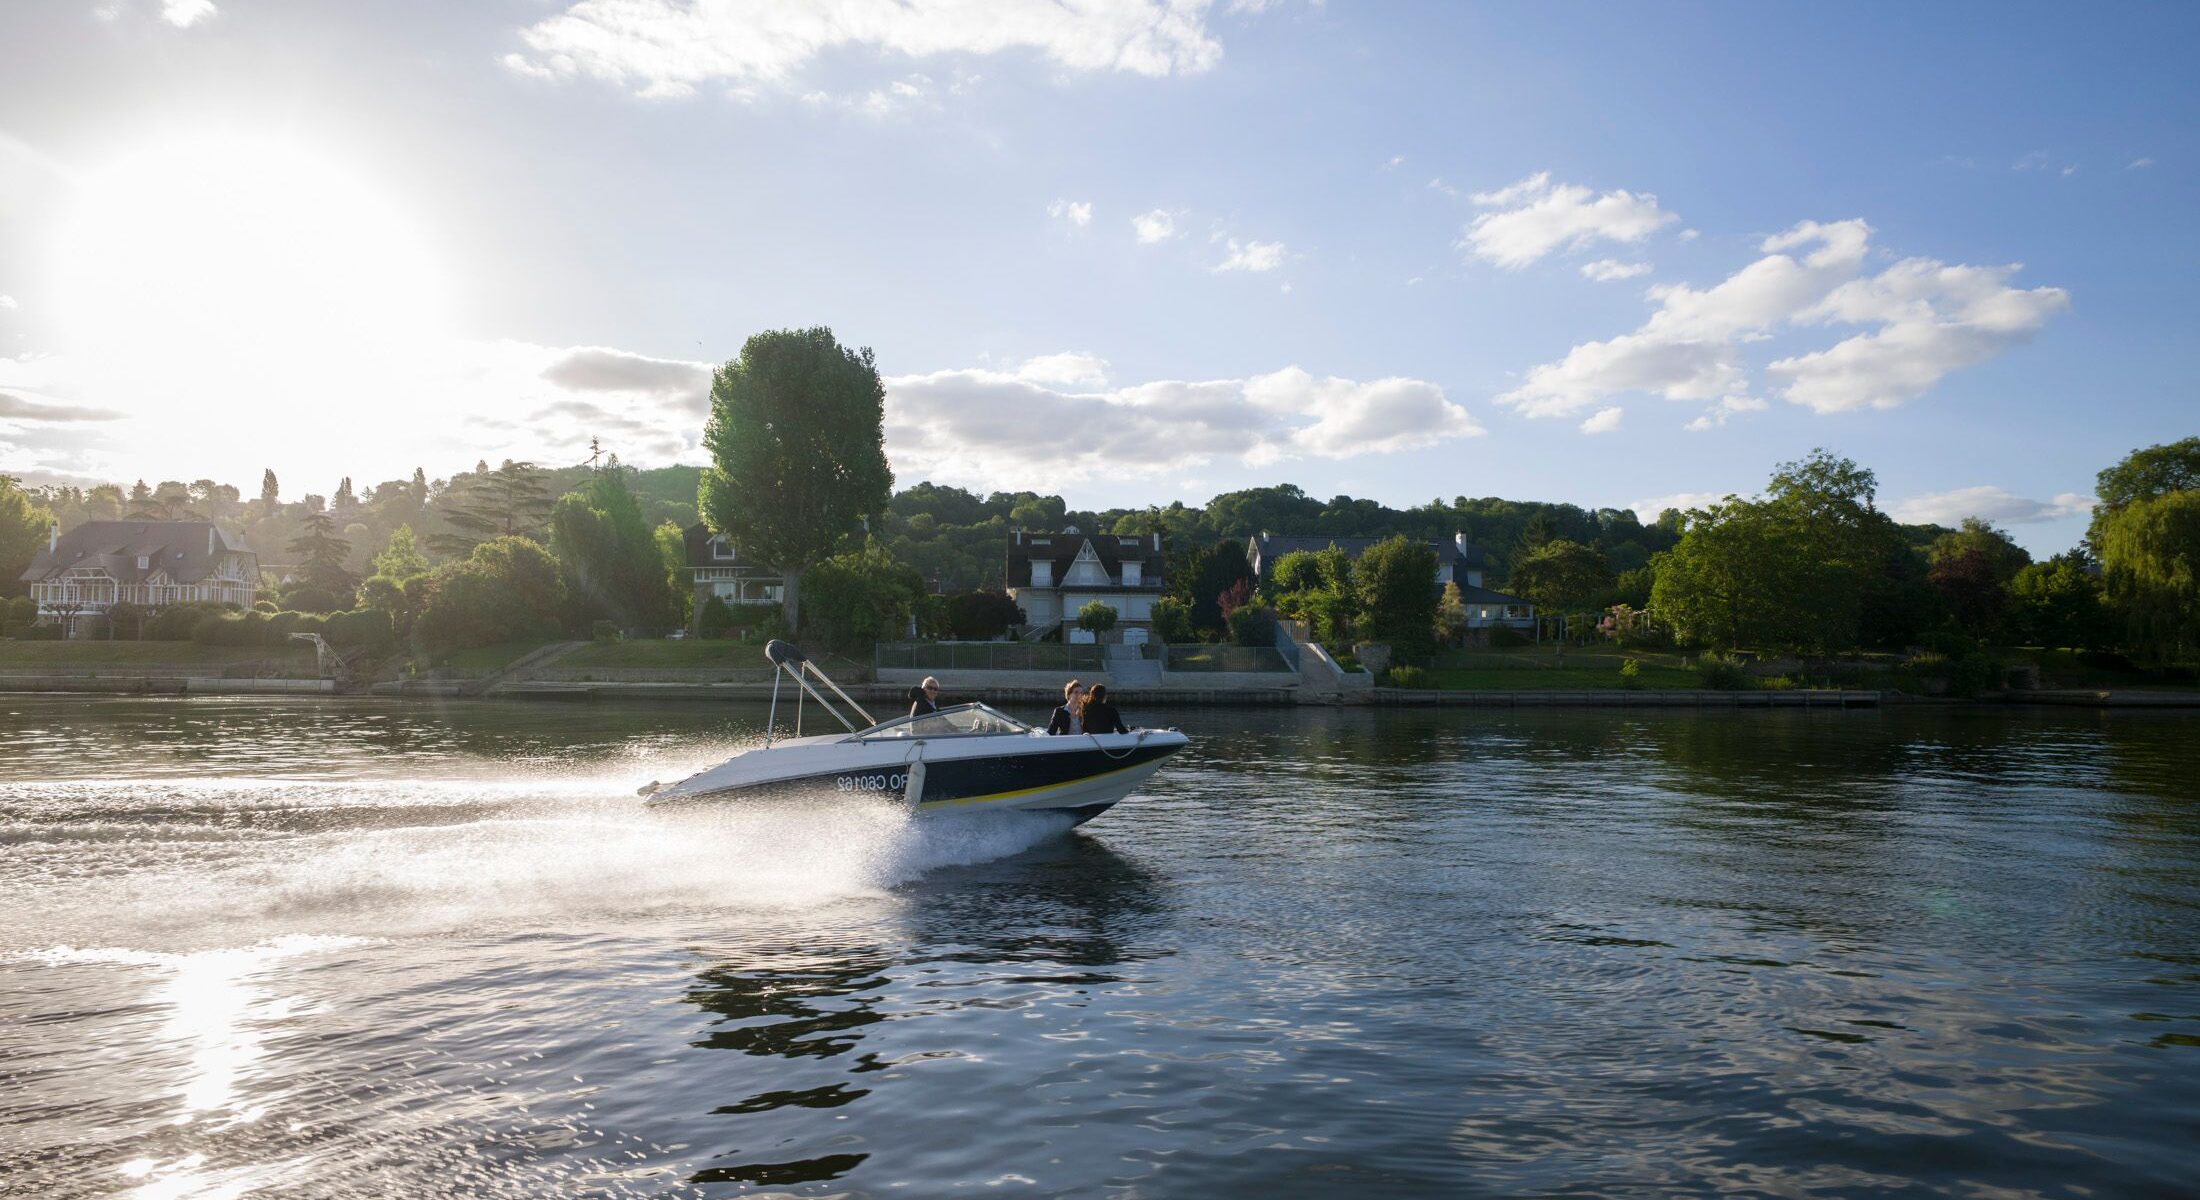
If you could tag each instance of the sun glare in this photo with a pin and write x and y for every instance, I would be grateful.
(244, 275)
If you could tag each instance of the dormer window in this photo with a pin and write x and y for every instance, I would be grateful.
(144, 561)
(721, 549)
(1042, 573)
(1133, 573)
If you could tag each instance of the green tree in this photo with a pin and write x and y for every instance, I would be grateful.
(2058, 603)
(672, 557)
(1739, 576)
(2003, 558)
(321, 575)
(401, 558)
(1397, 586)
(511, 501)
(797, 451)
(981, 616)
(271, 495)
(861, 598)
(1096, 617)
(2146, 530)
(1561, 576)
(607, 556)
(398, 565)
(507, 590)
(2150, 560)
(23, 529)
(1451, 615)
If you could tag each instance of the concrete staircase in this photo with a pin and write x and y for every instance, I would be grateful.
(519, 668)
(1129, 669)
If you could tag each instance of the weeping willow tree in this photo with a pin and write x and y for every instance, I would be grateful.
(2150, 560)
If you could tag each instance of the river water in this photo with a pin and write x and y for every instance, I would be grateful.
(332, 949)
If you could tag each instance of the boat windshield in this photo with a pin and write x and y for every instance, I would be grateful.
(959, 721)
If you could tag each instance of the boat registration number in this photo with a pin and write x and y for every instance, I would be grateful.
(872, 783)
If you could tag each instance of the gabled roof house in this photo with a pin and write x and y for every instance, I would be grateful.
(1457, 561)
(1052, 576)
(100, 564)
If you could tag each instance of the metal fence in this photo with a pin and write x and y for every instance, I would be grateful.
(986, 656)
(1191, 658)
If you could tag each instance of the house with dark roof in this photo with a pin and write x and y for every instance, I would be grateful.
(87, 571)
(716, 568)
(1457, 561)
(1052, 576)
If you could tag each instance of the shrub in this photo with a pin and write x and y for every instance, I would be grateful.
(1406, 677)
(232, 629)
(33, 633)
(981, 616)
(1172, 620)
(1253, 625)
(266, 606)
(180, 622)
(603, 631)
(305, 598)
(1721, 672)
(1505, 637)
(1630, 674)
(366, 628)
(20, 611)
(715, 619)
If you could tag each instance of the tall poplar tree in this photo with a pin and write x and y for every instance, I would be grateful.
(798, 453)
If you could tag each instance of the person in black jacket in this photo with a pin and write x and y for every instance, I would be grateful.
(1100, 714)
(925, 697)
(1070, 717)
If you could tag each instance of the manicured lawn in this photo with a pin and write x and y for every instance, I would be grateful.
(162, 654)
(491, 658)
(662, 653)
(1575, 677)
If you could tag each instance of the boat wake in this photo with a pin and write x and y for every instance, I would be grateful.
(225, 862)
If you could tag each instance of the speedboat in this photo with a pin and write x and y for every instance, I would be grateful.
(963, 758)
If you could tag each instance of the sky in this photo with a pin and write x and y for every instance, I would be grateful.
(1128, 251)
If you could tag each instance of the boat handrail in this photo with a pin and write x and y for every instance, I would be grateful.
(790, 661)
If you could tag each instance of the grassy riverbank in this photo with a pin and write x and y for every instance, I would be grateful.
(64, 656)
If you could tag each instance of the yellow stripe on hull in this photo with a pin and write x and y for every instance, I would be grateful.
(1066, 785)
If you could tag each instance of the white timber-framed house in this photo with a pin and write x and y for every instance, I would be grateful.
(83, 574)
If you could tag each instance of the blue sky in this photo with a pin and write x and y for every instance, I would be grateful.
(1131, 252)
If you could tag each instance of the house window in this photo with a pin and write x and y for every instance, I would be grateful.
(721, 549)
(1133, 572)
(144, 562)
(1042, 574)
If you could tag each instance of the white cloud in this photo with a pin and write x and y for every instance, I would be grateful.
(183, 14)
(1156, 226)
(7, 302)
(1607, 270)
(1604, 420)
(1717, 415)
(1396, 161)
(1536, 217)
(2140, 164)
(1988, 503)
(1251, 256)
(1651, 509)
(1078, 213)
(1069, 369)
(1931, 319)
(1438, 185)
(666, 48)
(976, 424)
(900, 96)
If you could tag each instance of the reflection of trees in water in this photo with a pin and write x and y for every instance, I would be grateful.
(1072, 901)
(825, 1026)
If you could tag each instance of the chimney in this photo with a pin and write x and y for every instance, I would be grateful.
(209, 541)
(53, 537)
